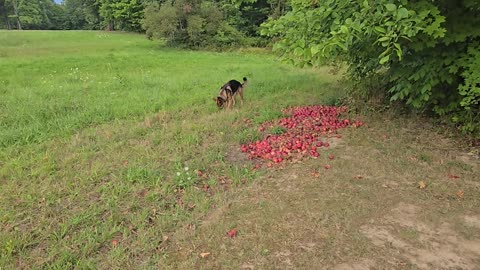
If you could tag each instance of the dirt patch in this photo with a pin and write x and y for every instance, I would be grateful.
(472, 158)
(428, 246)
(364, 264)
(473, 221)
(333, 141)
(235, 156)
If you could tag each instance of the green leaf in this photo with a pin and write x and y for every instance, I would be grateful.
(298, 51)
(314, 50)
(380, 29)
(391, 7)
(365, 4)
(382, 39)
(301, 43)
(384, 59)
(402, 13)
(341, 45)
(399, 50)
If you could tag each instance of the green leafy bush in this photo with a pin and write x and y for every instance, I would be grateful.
(193, 24)
(428, 52)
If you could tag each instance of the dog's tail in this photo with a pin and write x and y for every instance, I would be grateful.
(244, 81)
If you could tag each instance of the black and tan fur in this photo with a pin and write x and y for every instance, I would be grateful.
(229, 91)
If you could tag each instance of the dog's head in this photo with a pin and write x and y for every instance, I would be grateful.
(220, 101)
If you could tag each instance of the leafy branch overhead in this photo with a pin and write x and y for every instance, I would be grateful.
(426, 51)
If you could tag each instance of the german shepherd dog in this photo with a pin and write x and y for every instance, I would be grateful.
(229, 91)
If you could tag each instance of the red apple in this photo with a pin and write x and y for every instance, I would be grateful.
(232, 233)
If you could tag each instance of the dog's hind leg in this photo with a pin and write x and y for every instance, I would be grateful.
(240, 92)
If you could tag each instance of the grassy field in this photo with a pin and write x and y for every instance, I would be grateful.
(94, 127)
(102, 134)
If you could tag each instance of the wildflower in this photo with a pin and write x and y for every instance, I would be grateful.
(178, 173)
(186, 168)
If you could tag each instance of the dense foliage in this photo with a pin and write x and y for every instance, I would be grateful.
(190, 23)
(82, 14)
(426, 53)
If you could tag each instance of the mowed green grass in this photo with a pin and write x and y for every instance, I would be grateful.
(101, 135)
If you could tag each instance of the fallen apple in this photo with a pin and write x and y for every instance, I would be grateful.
(232, 233)
(303, 128)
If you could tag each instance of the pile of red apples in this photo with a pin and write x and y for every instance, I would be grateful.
(301, 133)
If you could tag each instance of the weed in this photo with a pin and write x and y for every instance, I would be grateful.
(425, 158)
(278, 130)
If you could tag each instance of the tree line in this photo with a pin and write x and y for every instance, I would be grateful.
(123, 15)
(192, 23)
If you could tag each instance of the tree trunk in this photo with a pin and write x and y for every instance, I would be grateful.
(17, 15)
(19, 25)
(110, 26)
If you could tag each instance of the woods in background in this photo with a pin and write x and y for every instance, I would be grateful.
(31, 14)
(190, 23)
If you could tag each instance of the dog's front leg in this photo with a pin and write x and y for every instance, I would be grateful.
(229, 102)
